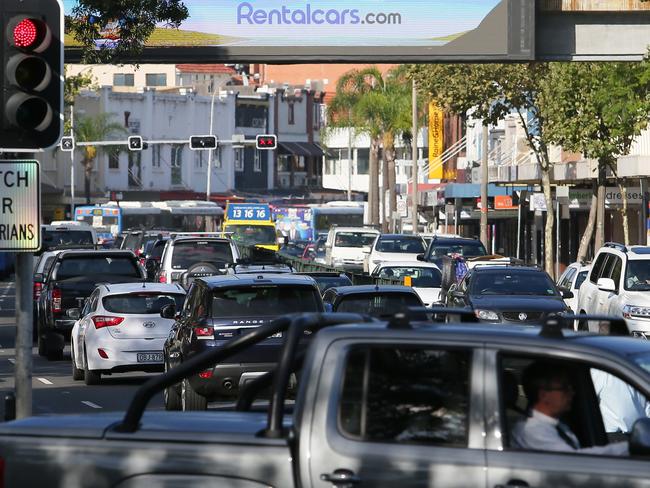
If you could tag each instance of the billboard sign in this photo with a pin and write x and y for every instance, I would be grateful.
(332, 30)
(436, 140)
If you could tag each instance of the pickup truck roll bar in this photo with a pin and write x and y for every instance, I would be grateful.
(295, 324)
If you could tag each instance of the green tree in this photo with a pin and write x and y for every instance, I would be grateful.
(490, 92)
(73, 84)
(597, 109)
(93, 129)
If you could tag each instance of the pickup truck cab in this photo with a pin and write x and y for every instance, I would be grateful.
(378, 405)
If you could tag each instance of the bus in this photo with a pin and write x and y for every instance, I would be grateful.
(113, 218)
(251, 224)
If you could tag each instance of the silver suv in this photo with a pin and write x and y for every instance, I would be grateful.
(618, 285)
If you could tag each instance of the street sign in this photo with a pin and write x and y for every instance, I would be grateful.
(248, 211)
(20, 206)
(135, 143)
(67, 144)
(203, 143)
(266, 141)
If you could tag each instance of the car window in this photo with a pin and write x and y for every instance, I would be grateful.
(56, 238)
(420, 277)
(509, 283)
(354, 239)
(132, 241)
(378, 304)
(400, 244)
(467, 249)
(405, 394)
(97, 265)
(637, 275)
(141, 302)
(582, 275)
(615, 273)
(567, 278)
(47, 265)
(157, 249)
(188, 253)
(263, 301)
(326, 282)
(597, 267)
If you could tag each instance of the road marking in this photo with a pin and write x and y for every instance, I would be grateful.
(90, 404)
(45, 381)
(12, 361)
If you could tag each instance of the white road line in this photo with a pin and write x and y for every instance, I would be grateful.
(11, 360)
(45, 381)
(90, 404)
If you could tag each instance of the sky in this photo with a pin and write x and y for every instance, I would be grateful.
(421, 19)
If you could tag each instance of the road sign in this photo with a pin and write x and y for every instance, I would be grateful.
(20, 206)
(135, 143)
(67, 144)
(266, 141)
(202, 143)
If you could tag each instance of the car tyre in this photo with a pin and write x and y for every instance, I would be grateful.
(171, 397)
(91, 376)
(191, 400)
(77, 373)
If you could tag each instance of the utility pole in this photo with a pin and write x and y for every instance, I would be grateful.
(208, 189)
(414, 153)
(72, 216)
(484, 187)
(349, 159)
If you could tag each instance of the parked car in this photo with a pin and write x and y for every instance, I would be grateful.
(448, 246)
(571, 280)
(219, 308)
(378, 405)
(326, 280)
(344, 247)
(71, 279)
(425, 278)
(120, 329)
(618, 284)
(509, 294)
(374, 300)
(393, 247)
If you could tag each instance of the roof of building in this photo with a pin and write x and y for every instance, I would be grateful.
(205, 68)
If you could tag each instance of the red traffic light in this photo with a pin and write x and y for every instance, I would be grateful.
(265, 141)
(31, 34)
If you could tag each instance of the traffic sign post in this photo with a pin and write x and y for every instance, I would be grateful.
(20, 232)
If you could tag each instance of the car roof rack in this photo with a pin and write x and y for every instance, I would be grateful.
(616, 245)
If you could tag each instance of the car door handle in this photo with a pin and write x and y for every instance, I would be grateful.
(514, 484)
(341, 478)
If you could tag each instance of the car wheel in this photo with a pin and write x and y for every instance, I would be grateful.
(91, 376)
(77, 374)
(191, 400)
(171, 396)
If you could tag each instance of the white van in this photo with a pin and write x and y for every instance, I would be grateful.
(345, 246)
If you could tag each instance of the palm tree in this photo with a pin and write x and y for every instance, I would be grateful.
(92, 129)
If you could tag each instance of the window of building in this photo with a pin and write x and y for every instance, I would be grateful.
(198, 159)
(177, 164)
(257, 161)
(123, 79)
(156, 79)
(113, 160)
(317, 116)
(406, 394)
(363, 161)
(155, 155)
(291, 114)
(239, 159)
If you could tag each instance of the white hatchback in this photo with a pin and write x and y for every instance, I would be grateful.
(120, 329)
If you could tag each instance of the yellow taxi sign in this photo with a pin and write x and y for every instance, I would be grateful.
(408, 280)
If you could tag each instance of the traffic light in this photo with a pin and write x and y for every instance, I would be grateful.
(135, 143)
(266, 141)
(32, 83)
(200, 143)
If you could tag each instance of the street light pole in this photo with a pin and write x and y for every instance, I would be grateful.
(208, 189)
(414, 153)
(72, 217)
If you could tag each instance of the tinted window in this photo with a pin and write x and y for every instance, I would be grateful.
(406, 395)
(157, 250)
(55, 238)
(615, 274)
(378, 304)
(402, 244)
(324, 222)
(72, 267)
(262, 301)
(132, 241)
(354, 239)
(581, 278)
(597, 267)
(141, 303)
(253, 234)
(565, 282)
(420, 277)
(637, 275)
(188, 253)
(508, 283)
(467, 249)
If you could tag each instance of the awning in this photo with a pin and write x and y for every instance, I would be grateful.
(307, 149)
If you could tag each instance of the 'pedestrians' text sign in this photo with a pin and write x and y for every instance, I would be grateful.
(20, 206)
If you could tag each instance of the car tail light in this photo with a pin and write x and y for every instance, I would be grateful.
(38, 288)
(56, 300)
(103, 321)
(205, 374)
(142, 261)
(204, 332)
(162, 279)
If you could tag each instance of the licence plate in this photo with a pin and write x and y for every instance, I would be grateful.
(150, 357)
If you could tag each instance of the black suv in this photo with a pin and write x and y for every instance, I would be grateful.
(508, 294)
(439, 247)
(71, 279)
(222, 307)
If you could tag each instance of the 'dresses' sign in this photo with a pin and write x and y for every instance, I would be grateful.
(20, 206)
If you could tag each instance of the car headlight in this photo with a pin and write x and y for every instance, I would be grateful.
(630, 311)
(487, 315)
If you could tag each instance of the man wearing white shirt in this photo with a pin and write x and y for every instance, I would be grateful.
(550, 395)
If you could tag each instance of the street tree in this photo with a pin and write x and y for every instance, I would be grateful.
(490, 92)
(597, 109)
(94, 128)
(73, 85)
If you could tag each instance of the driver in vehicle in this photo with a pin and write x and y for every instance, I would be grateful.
(550, 395)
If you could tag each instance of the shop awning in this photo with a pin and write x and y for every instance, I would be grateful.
(306, 149)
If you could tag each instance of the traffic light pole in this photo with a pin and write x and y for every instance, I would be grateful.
(24, 325)
(72, 216)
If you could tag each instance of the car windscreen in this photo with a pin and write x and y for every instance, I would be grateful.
(637, 275)
(354, 239)
(420, 277)
(513, 283)
(264, 301)
(61, 238)
(97, 265)
(189, 253)
(465, 249)
(253, 234)
(400, 244)
(378, 304)
(142, 302)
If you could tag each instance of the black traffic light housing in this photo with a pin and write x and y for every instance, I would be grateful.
(67, 143)
(135, 143)
(201, 143)
(266, 141)
(31, 50)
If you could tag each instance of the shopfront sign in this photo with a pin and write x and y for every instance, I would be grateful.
(581, 197)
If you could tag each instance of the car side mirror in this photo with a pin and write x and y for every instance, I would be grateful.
(566, 293)
(639, 443)
(73, 313)
(168, 311)
(420, 257)
(606, 284)
(328, 307)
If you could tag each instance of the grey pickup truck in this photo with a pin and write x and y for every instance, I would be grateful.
(379, 404)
